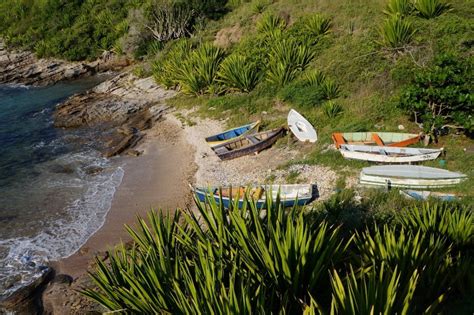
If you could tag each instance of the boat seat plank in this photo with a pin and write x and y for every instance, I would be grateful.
(221, 150)
(377, 139)
(253, 139)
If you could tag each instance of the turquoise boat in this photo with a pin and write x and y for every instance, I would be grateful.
(232, 134)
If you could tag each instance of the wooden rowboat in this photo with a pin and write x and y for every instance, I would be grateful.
(247, 144)
(409, 176)
(387, 154)
(301, 128)
(425, 195)
(391, 139)
(290, 195)
(231, 134)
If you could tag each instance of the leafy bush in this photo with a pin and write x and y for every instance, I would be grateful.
(238, 73)
(431, 8)
(199, 71)
(402, 7)
(166, 67)
(396, 31)
(314, 78)
(287, 58)
(440, 96)
(270, 23)
(330, 89)
(332, 109)
(317, 25)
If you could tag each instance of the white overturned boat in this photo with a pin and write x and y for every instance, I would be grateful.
(409, 176)
(301, 128)
(425, 195)
(385, 154)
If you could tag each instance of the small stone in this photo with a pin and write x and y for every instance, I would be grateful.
(401, 127)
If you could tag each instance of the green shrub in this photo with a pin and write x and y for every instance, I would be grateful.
(238, 73)
(167, 66)
(258, 6)
(317, 25)
(440, 96)
(198, 73)
(330, 89)
(396, 32)
(332, 109)
(429, 9)
(379, 291)
(301, 95)
(269, 23)
(402, 7)
(287, 59)
(314, 78)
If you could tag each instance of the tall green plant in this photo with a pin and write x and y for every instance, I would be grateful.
(402, 7)
(287, 58)
(396, 31)
(317, 25)
(429, 9)
(270, 23)
(238, 73)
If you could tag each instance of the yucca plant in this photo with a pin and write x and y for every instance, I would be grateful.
(317, 25)
(332, 109)
(237, 72)
(166, 68)
(270, 23)
(396, 32)
(330, 89)
(377, 291)
(287, 58)
(199, 71)
(409, 252)
(429, 9)
(402, 7)
(314, 78)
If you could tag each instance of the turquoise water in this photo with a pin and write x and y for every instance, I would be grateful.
(55, 187)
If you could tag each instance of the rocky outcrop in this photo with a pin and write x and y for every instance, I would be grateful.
(22, 67)
(125, 104)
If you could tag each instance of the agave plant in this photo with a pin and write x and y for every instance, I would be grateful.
(396, 31)
(287, 58)
(314, 78)
(166, 69)
(199, 71)
(270, 23)
(429, 9)
(330, 89)
(332, 109)
(238, 73)
(317, 25)
(377, 291)
(402, 7)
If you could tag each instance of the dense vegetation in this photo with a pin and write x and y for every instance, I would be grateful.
(341, 258)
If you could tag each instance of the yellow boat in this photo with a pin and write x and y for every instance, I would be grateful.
(232, 134)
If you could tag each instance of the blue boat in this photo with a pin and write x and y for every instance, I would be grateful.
(232, 134)
(425, 195)
(290, 195)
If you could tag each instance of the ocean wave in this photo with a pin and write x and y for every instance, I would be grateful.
(24, 257)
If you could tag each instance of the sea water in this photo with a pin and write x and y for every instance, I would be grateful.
(55, 186)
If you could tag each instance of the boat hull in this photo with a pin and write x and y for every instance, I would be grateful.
(306, 196)
(409, 176)
(301, 128)
(391, 139)
(425, 195)
(226, 152)
(380, 154)
(232, 134)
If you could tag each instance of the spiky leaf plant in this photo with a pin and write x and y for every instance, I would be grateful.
(236, 260)
(314, 78)
(330, 89)
(402, 7)
(429, 9)
(287, 59)
(199, 71)
(396, 32)
(166, 68)
(238, 73)
(377, 291)
(332, 109)
(317, 25)
(409, 252)
(270, 23)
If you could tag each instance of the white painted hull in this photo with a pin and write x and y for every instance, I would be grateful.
(409, 176)
(301, 128)
(425, 195)
(381, 154)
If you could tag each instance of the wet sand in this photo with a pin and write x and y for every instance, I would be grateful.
(157, 179)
